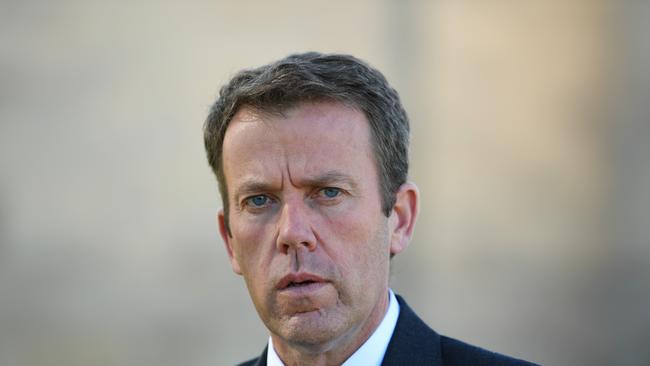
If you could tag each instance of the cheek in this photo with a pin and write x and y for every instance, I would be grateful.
(358, 243)
(253, 243)
(254, 257)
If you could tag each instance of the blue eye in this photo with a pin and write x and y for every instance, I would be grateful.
(258, 201)
(331, 192)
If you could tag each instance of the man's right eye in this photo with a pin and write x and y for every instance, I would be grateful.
(257, 201)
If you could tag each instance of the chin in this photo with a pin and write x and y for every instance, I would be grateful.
(309, 329)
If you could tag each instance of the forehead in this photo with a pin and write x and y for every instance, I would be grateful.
(306, 140)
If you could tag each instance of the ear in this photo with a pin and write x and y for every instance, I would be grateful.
(227, 240)
(402, 218)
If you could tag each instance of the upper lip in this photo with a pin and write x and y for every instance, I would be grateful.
(298, 278)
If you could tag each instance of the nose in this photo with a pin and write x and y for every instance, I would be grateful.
(295, 228)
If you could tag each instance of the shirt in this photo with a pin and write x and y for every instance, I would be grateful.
(372, 351)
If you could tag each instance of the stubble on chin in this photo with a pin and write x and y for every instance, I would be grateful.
(314, 331)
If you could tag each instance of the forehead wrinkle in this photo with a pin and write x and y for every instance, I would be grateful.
(296, 162)
(289, 177)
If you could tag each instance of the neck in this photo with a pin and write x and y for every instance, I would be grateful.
(335, 351)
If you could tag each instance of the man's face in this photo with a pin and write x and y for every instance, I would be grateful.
(308, 233)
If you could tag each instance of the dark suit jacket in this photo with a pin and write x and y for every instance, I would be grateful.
(414, 343)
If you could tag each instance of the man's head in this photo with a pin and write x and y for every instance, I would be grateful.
(276, 87)
(307, 222)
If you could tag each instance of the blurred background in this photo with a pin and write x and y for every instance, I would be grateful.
(530, 147)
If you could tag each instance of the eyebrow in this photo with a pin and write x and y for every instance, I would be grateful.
(252, 186)
(328, 178)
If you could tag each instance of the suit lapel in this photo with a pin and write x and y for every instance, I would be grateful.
(413, 342)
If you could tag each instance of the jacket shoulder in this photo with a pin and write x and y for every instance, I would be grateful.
(455, 352)
(415, 343)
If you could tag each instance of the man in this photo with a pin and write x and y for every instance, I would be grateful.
(311, 156)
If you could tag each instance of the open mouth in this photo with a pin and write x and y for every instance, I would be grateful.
(300, 280)
(298, 284)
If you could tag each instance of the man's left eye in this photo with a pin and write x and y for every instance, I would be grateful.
(330, 192)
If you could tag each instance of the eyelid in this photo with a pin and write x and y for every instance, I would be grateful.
(321, 191)
(245, 202)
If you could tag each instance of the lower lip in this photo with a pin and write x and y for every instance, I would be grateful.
(303, 290)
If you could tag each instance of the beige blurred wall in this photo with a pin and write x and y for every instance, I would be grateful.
(529, 127)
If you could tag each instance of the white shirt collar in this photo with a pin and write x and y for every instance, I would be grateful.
(372, 351)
